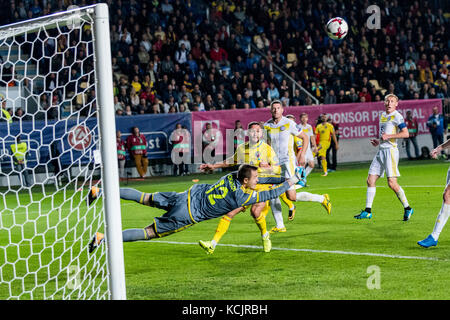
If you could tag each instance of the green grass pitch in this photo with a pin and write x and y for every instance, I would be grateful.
(319, 257)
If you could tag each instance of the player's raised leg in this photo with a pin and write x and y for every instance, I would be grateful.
(323, 199)
(125, 194)
(441, 219)
(444, 213)
(222, 228)
(128, 235)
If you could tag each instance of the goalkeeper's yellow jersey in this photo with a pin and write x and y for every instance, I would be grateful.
(255, 154)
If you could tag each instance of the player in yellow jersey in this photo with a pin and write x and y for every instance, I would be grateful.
(280, 135)
(257, 153)
(325, 131)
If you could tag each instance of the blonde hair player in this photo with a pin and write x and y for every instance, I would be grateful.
(280, 135)
(392, 127)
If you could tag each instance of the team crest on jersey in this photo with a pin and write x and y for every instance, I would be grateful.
(282, 128)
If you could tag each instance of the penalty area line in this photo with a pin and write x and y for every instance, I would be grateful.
(365, 187)
(380, 255)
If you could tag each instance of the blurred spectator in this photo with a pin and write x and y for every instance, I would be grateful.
(180, 140)
(239, 134)
(218, 54)
(156, 42)
(118, 105)
(137, 146)
(5, 115)
(210, 140)
(134, 99)
(121, 154)
(330, 97)
(58, 172)
(19, 151)
(181, 55)
(413, 129)
(273, 92)
(128, 111)
(435, 124)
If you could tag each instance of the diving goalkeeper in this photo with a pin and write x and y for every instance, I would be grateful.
(201, 202)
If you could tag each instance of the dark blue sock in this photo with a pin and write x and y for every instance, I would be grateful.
(134, 235)
(132, 194)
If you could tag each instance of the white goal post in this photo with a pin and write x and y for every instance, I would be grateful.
(57, 70)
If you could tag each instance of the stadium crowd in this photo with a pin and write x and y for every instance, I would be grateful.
(183, 55)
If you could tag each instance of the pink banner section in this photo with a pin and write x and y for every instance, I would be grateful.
(356, 120)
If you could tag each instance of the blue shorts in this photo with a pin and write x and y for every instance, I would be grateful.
(177, 217)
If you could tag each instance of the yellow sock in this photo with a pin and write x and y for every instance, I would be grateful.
(265, 211)
(324, 165)
(287, 201)
(261, 223)
(222, 228)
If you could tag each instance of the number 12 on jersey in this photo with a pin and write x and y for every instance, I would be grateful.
(218, 187)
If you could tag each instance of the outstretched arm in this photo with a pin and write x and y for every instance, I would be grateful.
(273, 193)
(434, 153)
(225, 164)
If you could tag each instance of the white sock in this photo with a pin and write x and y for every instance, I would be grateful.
(214, 243)
(308, 171)
(275, 204)
(370, 195)
(265, 235)
(310, 197)
(441, 220)
(401, 196)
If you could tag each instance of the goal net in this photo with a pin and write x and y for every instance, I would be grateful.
(56, 122)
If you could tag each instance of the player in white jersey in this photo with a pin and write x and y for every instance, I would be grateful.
(280, 135)
(307, 128)
(444, 213)
(392, 127)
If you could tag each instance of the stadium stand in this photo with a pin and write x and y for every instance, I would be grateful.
(183, 55)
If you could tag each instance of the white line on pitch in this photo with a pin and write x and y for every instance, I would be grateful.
(381, 255)
(364, 187)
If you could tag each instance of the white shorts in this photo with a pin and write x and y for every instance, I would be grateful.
(386, 160)
(288, 171)
(309, 155)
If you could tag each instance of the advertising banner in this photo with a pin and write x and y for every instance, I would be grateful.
(72, 139)
(356, 120)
